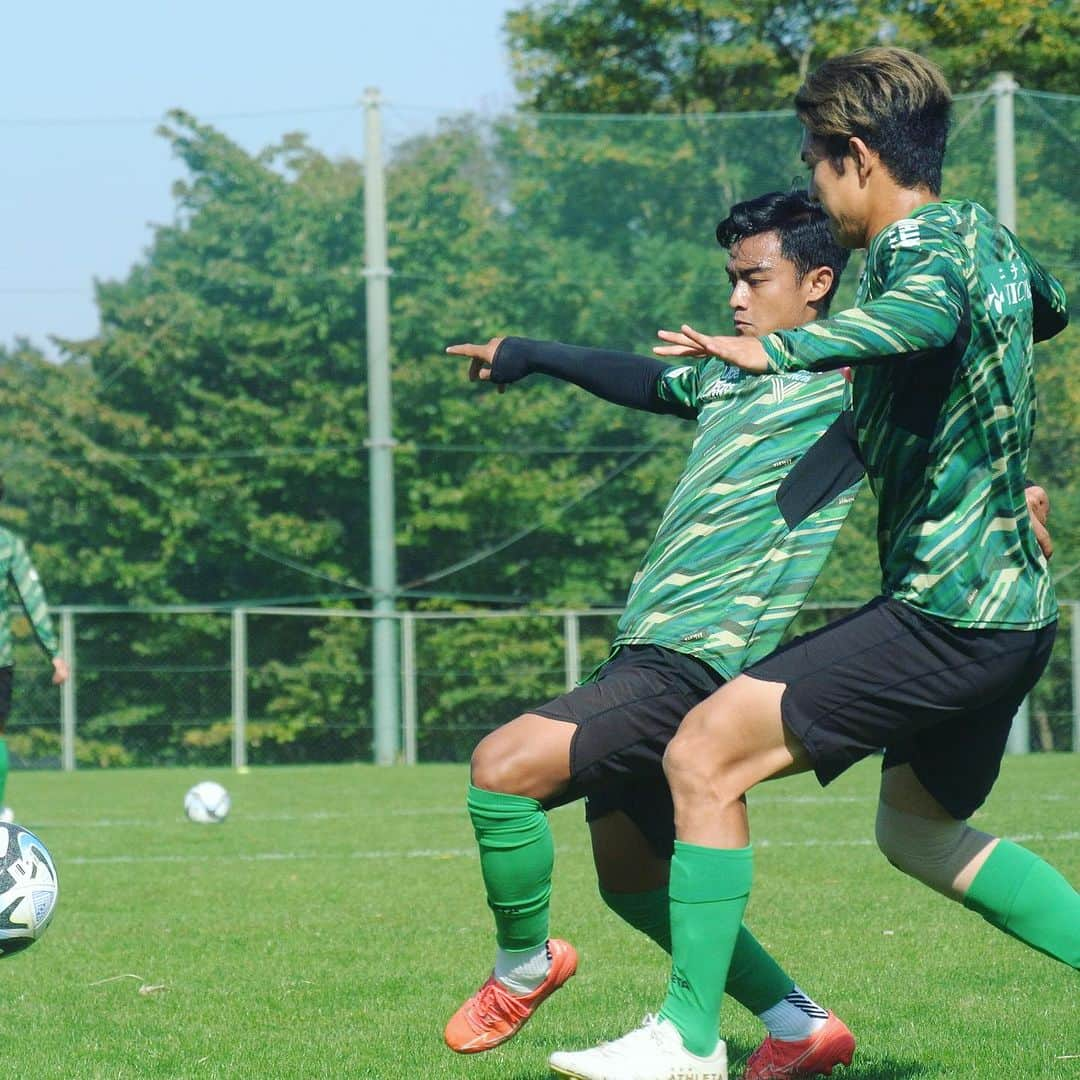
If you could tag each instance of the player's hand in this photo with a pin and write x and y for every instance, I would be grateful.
(742, 352)
(1038, 504)
(481, 357)
(61, 671)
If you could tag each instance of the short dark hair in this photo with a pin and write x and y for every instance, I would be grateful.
(806, 240)
(895, 100)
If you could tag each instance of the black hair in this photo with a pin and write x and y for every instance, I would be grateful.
(806, 240)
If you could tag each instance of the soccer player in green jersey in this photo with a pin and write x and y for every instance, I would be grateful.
(766, 487)
(17, 570)
(933, 670)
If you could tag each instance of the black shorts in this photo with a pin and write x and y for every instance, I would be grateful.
(7, 676)
(934, 696)
(625, 719)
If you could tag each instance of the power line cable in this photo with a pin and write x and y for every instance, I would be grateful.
(502, 545)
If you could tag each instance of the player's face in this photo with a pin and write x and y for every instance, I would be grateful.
(841, 195)
(766, 293)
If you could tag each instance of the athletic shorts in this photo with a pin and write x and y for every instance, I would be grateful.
(625, 719)
(7, 675)
(938, 697)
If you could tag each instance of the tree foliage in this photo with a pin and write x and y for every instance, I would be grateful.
(207, 446)
(644, 56)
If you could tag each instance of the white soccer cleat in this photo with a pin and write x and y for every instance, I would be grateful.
(653, 1051)
(7, 816)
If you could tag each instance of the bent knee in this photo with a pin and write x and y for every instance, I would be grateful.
(935, 851)
(685, 756)
(530, 756)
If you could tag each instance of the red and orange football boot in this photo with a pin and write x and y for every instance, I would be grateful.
(493, 1014)
(831, 1045)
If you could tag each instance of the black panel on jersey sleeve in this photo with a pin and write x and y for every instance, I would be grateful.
(829, 467)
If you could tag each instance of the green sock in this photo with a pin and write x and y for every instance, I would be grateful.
(516, 859)
(1019, 893)
(709, 889)
(3, 767)
(755, 980)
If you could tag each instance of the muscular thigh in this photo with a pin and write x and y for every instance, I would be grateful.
(890, 677)
(625, 719)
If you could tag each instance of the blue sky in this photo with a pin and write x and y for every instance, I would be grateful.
(85, 85)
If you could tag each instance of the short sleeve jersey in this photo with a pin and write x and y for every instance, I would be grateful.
(725, 574)
(18, 571)
(944, 406)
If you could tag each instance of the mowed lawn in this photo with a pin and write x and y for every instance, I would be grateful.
(334, 922)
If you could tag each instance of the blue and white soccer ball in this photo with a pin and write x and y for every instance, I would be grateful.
(207, 803)
(28, 888)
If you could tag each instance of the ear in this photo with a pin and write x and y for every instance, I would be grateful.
(864, 158)
(818, 282)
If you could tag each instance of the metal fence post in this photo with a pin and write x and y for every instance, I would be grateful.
(408, 685)
(1020, 732)
(571, 648)
(239, 688)
(68, 716)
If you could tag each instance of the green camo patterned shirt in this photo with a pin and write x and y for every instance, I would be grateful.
(17, 569)
(725, 575)
(944, 404)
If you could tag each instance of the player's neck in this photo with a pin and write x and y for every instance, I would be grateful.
(894, 204)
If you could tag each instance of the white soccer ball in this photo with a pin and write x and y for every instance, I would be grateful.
(28, 888)
(207, 803)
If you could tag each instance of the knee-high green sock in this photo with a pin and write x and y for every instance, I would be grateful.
(3, 767)
(1019, 893)
(709, 889)
(516, 859)
(755, 980)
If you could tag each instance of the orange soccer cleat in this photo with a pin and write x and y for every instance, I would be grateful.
(831, 1045)
(493, 1014)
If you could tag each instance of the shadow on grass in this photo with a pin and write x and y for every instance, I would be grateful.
(884, 1068)
(861, 1068)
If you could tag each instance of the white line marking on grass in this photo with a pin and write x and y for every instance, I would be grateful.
(451, 853)
(313, 815)
(270, 856)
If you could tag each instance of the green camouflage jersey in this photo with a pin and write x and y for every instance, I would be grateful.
(944, 407)
(19, 571)
(746, 531)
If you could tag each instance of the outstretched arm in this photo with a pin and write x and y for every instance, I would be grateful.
(922, 310)
(622, 378)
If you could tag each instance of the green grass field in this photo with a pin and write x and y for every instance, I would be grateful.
(334, 922)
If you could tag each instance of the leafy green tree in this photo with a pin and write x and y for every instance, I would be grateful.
(635, 56)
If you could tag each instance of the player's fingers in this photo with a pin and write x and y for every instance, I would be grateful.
(677, 350)
(699, 339)
(466, 348)
(479, 370)
(674, 336)
(1038, 502)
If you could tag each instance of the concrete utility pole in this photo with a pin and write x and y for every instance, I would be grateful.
(380, 442)
(1004, 87)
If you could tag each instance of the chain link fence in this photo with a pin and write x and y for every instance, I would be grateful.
(281, 686)
(593, 228)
